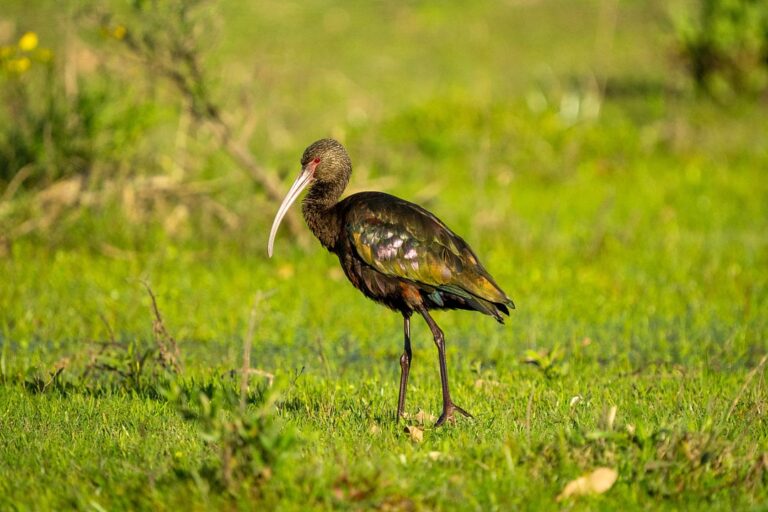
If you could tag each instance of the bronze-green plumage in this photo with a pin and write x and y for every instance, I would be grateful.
(395, 252)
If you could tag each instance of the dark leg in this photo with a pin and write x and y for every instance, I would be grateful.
(449, 408)
(405, 365)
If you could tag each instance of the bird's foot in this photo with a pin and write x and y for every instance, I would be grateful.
(448, 413)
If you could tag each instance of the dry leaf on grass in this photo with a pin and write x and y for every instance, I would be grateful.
(434, 456)
(486, 384)
(422, 417)
(609, 417)
(64, 192)
(415, 433)
(596, 482)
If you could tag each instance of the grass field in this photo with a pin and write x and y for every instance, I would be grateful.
(625, 215)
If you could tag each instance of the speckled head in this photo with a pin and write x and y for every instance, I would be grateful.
(326, 166)
(328, 160)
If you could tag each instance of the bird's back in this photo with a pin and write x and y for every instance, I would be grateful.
(403, 241)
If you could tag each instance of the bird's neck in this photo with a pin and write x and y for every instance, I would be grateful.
(320, 214)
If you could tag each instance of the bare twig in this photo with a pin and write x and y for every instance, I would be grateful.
(57, 370)
(247, 371)
(247, 342)
(528, 414)
(182, 67)
(298, 374)
(269, 376)
(17, 180)
(321, 354)
(167, 346)
(605, 35)
(750, 376)
(109, 328)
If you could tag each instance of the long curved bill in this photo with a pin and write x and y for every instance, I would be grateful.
(300, 184)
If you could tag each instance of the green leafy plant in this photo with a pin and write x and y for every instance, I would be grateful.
(47, 132)
(550, 362)
(724, 44)
(246, 440)
(137, 365)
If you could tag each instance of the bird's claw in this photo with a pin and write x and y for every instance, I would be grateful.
(448, 414)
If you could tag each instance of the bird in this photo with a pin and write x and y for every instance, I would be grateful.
(395, 252)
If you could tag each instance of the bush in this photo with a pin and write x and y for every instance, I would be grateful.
(58, 123)
(725, 45)
(43, 134)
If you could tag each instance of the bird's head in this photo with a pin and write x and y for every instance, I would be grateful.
(325, 164)
(328, 161)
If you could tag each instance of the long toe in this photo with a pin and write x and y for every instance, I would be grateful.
(449, 412)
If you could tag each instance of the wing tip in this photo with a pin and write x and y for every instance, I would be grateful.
(503, 307)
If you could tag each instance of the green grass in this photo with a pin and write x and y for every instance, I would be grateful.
(635, 245)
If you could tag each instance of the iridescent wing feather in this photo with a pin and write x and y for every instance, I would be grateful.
(401, 239)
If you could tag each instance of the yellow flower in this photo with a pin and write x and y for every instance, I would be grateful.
(28, 42)
(119, 32)
(19, 65)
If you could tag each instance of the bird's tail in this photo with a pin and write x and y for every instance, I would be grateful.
(494, 309)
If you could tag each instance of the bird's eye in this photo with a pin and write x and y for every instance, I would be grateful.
(316, 161)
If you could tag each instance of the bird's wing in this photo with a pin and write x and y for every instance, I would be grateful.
(401, 239)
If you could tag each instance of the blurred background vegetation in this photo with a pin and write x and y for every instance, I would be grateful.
(607, 160)
(155, 137)
(128, 121)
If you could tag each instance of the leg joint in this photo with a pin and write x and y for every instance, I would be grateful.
(439, 338)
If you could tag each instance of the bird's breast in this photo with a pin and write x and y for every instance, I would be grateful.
(385, 290)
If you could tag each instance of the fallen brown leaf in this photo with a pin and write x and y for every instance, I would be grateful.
(596, 482)
(435, 455)
(486, 384)
(415, 433)
(422, 417)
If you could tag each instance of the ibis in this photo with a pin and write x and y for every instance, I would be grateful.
(395, 252)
